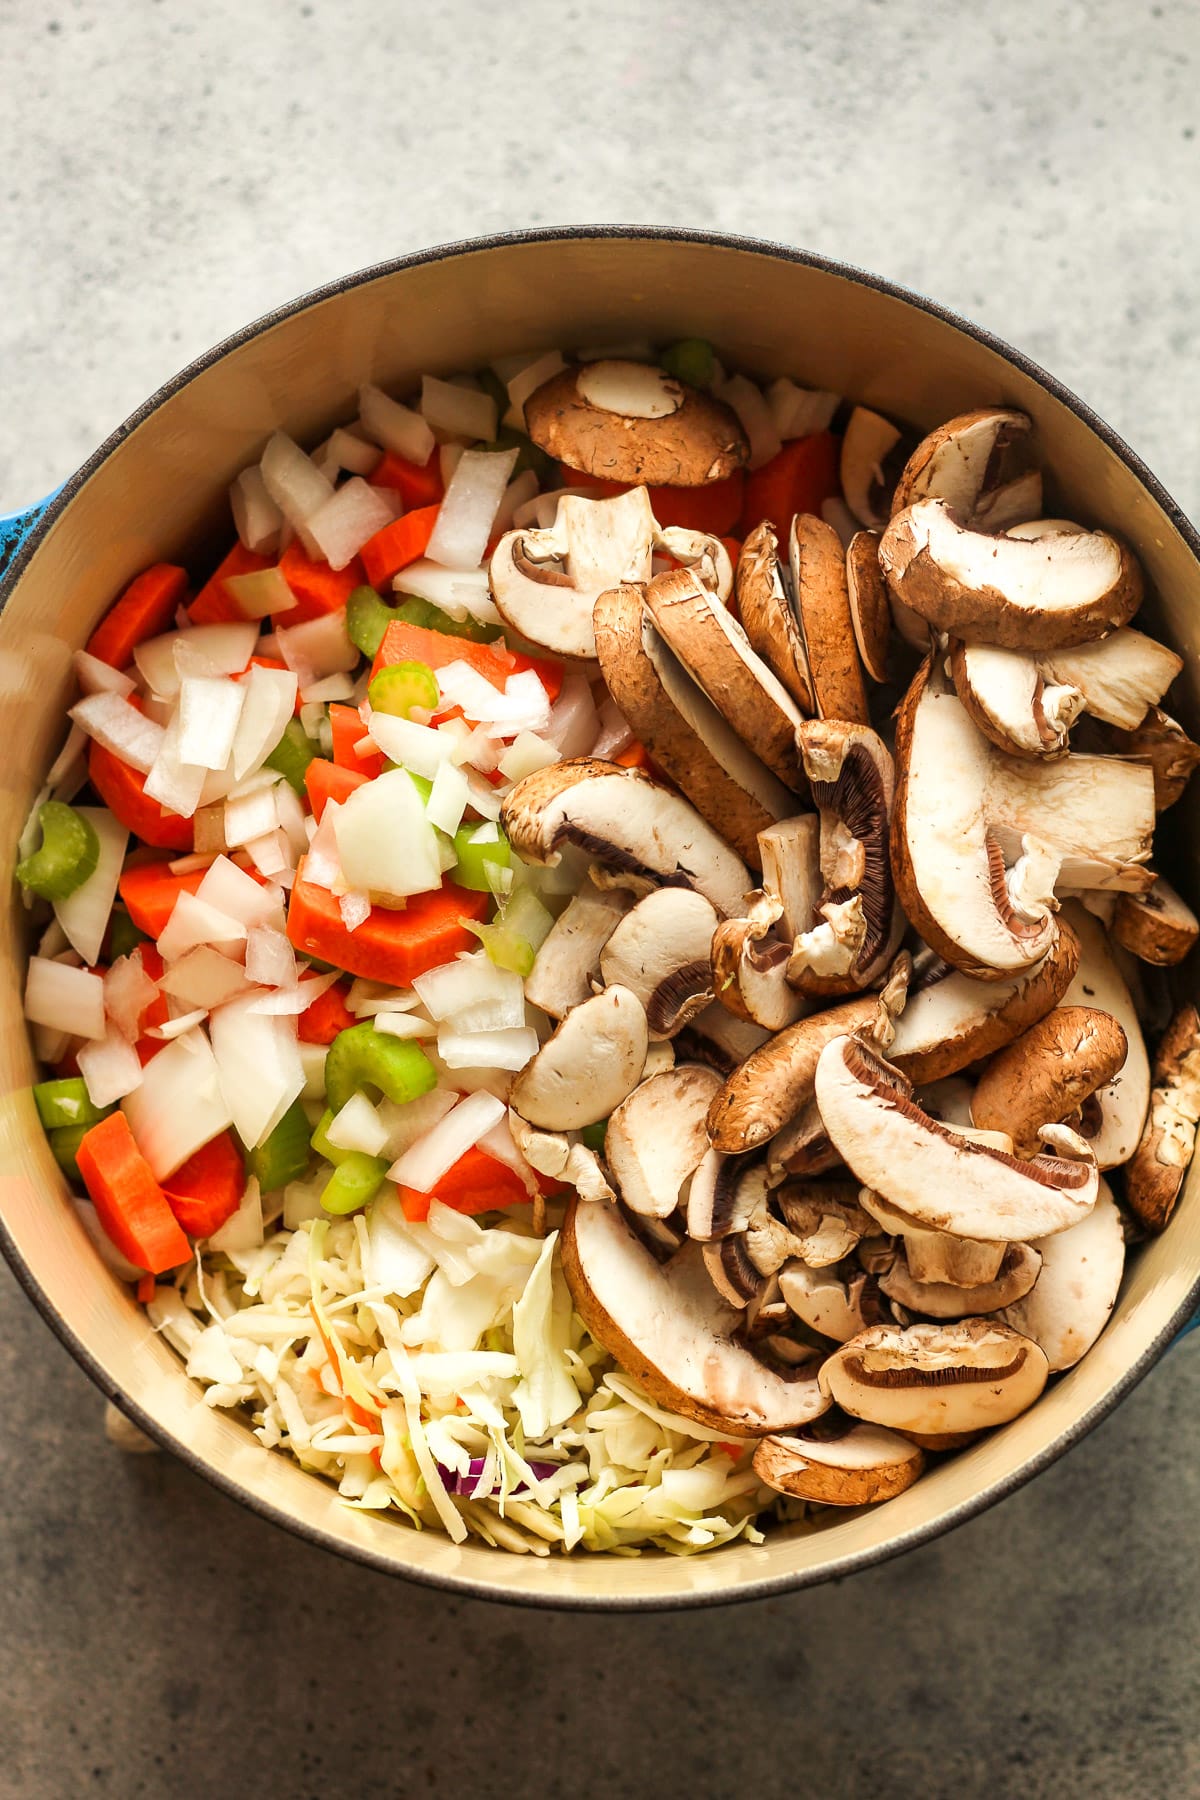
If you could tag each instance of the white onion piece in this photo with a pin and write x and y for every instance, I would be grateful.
(330, 687)
(447, 800)
(177, 1026)
(349, 451)
(395, 1261)
(404, 1025)
(110, 1068)
(194, 922)
(464, 412)
(112, 722)
(615, 733)
(109, 1255)
(232, 891)
(573, 722)
(798, 412)
(128, 991)
(84, 914)
(226, 649)
(473, 993)
(485, 799)
(519, 492)
(747, 402)
(244, 1230)
(408, 1122)
(210, 708)
(395, 427)
(294, 483)
(251, 816)
(526, 754)
(204, 978)
(318, 647)
(271, 855)
(425, 1162)
(260, 593)
(175, 784)
(64, 999)
(451, 589)
(270, 959)
(510, 1049)
(385, 843)
(259, 1067)
(522, 705)
(355, 908)
(526, 381)
(322, 865)
(291, 818)
(179, 1105)
(97, 677)
(468, 508)
(449, 457)
(288, 1003)
(352, 514)
(367, 997)
(416, 747)
(358, 1127)
(255, 514)
(270, 700)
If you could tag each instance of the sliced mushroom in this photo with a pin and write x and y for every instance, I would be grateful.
(790, 853)
(561, 1155)
(719, 1039)
(862, 1465)
(626, 821)
(726, 1193)
(824, 1218)
(867, 444)
(850, 775)
(802, 1148)
(973, 463)
(546, 583)
(681, 728)
(750, 967)
(833, 1307)
(931, 1172)
(660, 952)
(1113, 1118)
(936, 1379)
(769, 617)
(936, 1256)
(592, 1061)
(1023, 592)
(562, 972)
(1154, 1178)
(942, 1300)
(733, 1272)
(1165, 746)
(626, 421)
(1070, 1303)
(1159, 927)
(1047, 1073)
(666, 1325)
(656, 1139)
(870, 614)
(822, 601)
(713, 647)
(777, 1079)
(1095, 812)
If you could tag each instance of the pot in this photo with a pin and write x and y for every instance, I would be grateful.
(157, 490)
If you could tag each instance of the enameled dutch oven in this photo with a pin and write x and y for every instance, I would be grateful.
(157, 489)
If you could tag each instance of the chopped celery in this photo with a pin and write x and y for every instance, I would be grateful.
(64, 1142)
(422, 785)
(292, 754)
(123, 935)
(691, 360)
(593, 1135)
(475, 858)
(355, 1180)
(284, 1155)
(513, 940)
(320, 1140)
(362, 1057)
(66, 1102)
(412, 611)
(400, 686)
(68, 853)
(367, 618)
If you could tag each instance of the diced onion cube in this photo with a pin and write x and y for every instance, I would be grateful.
(395, 427)
(64, 999)
(255, 514)
(179, 1105)
(469, 507)
(385, 843)
(352, 514)
(465, 412)
(209, 710)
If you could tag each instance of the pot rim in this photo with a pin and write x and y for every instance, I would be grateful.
(328, 1540)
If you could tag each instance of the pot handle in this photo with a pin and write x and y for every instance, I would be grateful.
(16, 527)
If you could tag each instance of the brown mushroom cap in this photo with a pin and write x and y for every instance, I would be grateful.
(1161, 742)
(625, 421)
(1047, 1073)
(943, 1300)
(768, 616)
(855, 1465)
(936, 1379)
(822, 598)
(870, 613)
(1156, 1171)
(1159, 927)
(965, 462)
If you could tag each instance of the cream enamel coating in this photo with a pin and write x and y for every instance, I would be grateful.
(160, 492)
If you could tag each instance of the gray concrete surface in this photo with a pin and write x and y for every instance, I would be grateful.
(172, 170)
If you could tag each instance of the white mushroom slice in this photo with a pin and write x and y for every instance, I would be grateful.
(1113, 1117)
(824, 1218)
(942, 1300)
(790, 854)
(769, 617)
(1166, 749)
(870, 613)
(968, 462)
(625, 421)
(592, 1061)
(936, 1379)
(1095, 812)
(802, 1147)
(857, 926)
(750, 967)
(666, 1325)
(626, 821)
(656, 1139)
(821, 597)
(1047, 1073)
(862, 1465)
(867, 442)
(561, 1155)
(935, 1256)
(1076, 1289)
(711, 644)
(1159, 927)
(726, 1193)
(835, 1308)
(681, 728)
(1016, 501)
(1154, 1178)
(1020, 592)
(930, 1172)
(660, 952)
(659, 1058)
(546, 583)
(562, 972)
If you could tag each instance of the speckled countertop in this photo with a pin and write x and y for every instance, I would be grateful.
(173, 170)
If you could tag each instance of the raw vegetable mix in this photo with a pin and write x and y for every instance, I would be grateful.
(466, 956)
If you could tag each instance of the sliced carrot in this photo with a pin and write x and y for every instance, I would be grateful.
(321, 1022)
(150, 891)
(146, 608)
(123, 791)
(495, 662)
(129, 1203)
(146, 1289)
(392, 944)
(797, 480)
(214, 605)
(398, 544)
(348, 730)
(634, 756)
(318, 589)
(417, 485)
(207, 1189)
(325, 781)
(476, 1183)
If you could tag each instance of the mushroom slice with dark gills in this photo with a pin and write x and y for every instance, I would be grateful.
(857, 926)
(851, 1463)
(1069, 1305)
(569, 957)
(583, 1072)
(666, 1325)
(1019, 1269)
(1158, 927)
(933, 1173)
(719, 1039)
(628, 421)
(660, 952)
(1155, 1176)
(978, 464)
(727, 1192)
(627, 822)
(802, 1148)
(656, 1138)
(769, 617)
(1046, 1074)
(936, 1379)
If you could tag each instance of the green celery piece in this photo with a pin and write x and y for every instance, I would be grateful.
(530, 455)
(332, 1153)
(284, 1155)
(66, 1102)
(355, 1180)
(292, 754)
(473, 858)
(399, 687)
(68, 853)
(64, 1142)
(690, 359)
(361, 1057)
(593, 1135)
(123, 935)
(412, 611)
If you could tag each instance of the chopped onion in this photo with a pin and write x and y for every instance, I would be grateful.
(523, 704)
(271, 854)
(519, 492)
(487, 1049)
(404, 1025)
(330, 687)
(259, 1067)
(118, 726)
(210, 708)
(322, 865)
(204, 978)
(498, 1142)
(270, 700)
(352, 514)
(425, 1162)
(232, 891)
(128, 991)
(318, 647)
(270, 958)
(295, 484)
(176, 1027)
(395, 1262)
(464, 412)
(223, 649)
(291, 1001)
(417, 747)
(194, 921)
(798, 412)
(251, 816)
(473, 994)
(358, 1127)
(244, 1231)
(408, 1122)
(349, 451)
(84, 914)
(484, 797)
(172, 782)
(64, 999)
(97, 677)
(355, 908)
(573, 722)
(526, 754)
(110, 1068)
(526, 380)
(385, 843)
(747, 402)
(395, 427)
(448, 798)
(255, 514)
(179, 1105)
(449, 457)
(447, 588)
(468, 508)
(615, 732)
